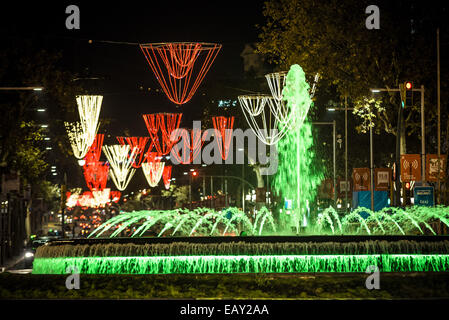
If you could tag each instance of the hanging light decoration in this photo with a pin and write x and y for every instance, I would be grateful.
(100, 197)
(94, 152)
(223, 134)
(136, 142)
(166, 176)
(89, 107)
(166, 123)
(82, 134)
(257, 109)
(115, 196)
(153, 168)
(173, 65)
(193, 140)
(86, 200)
(79, 139)
(291, 113)
(121, 164)
(96, 174)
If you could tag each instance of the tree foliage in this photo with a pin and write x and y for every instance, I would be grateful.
(330, 37)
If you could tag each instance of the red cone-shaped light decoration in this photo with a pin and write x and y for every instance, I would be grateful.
(180, 67)
(135, 142)
(166, 123)
(223, 134)
(166, 176)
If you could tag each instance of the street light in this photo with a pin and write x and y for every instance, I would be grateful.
(345, 109)
(408, 86)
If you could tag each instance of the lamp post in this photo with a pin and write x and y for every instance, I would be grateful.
(438, 114)
(398, 133)
(345, 109)
(334, 127)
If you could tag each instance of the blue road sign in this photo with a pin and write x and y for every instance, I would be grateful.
(424, 196)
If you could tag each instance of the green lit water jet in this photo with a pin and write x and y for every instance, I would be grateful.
(244, 264)
(412, 220)
(298, 174)
(201, 221)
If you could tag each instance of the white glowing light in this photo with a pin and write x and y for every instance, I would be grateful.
(89, 110)
(101, 197)
(82, 134)
(255, 111)
(153, 172)
(121, 164)
(79, 139)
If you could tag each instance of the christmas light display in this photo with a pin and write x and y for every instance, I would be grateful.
(166, 176)
(174, 65)
(101, 197)
(166, 123)
(121, 164)
(96, 174)
(223, 134)
(136, 142)
(256, 107)
(94, 152)
(89, 107)
(86, 200)
(153, 169)
(193, 140)
(115, 196)
(79, 139)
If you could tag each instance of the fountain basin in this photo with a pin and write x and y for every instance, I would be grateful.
(275, 254)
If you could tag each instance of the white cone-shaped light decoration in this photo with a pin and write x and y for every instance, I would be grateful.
(89, 110)
(258, 114)
(121, 164)
(79, 139)
(153, 172)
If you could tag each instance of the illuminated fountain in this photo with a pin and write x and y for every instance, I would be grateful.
(182, 222)
(230, 241)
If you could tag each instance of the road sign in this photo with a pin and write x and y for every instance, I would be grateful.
(424, 196)
(342, 187)
(382, 179)
(361, 178)
(432, 167)
(410, 167)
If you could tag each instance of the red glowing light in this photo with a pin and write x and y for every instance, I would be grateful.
(408, 85)
(166, 123)
(173, 65)
(193, 143)
(96, 174)
(223, 134)
(194, 173)
(136, 142)
(94, 152)
(166, 176)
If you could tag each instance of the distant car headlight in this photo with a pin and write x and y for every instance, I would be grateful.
(29, 254)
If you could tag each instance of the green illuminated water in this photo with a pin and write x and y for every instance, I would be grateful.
(183, 222)
(243, 264)
(388, 221)
(298, 174)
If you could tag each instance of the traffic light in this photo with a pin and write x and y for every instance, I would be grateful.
(408, 93)
(407, 185)
(408, 85)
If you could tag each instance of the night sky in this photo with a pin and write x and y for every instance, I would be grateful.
(125, 72)
(113, 55)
